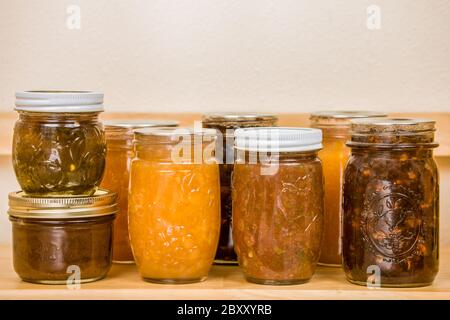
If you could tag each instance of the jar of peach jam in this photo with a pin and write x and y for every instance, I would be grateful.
(335, 126)
(119, 139)
(174, 204)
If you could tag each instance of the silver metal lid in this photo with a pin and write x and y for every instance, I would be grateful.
(102, 203)
(347, 114)
(237, 116)
(136, 124)
(170, 132)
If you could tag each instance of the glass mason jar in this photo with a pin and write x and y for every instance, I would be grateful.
(61, 238)
(174, 204)
(119, 139)
(278, 204)
(335, 126)
(226, 123)
(391, 204)
(59, 145)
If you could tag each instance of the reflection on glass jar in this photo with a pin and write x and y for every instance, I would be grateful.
(391, 196)
(226, 123)
(56, 240)
(335, 126)
(278, 204)
(174, 204)
(59, 146)
(119, 138)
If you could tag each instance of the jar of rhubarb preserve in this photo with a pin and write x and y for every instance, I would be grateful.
(174, 204)
(226, 123)
(391, 204)
(119, 138)
(59, 145)
(335, 126)
(60, 240)
(278, 204)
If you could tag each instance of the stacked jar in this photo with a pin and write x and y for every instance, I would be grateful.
(119, 140)
(62, 222)
(226, 124)
(335, 126)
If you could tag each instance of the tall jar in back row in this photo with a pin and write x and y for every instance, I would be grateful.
(335, 126)
(227, 123)
(119, 138)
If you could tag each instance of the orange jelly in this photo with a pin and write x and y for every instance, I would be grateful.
(174, 206)
(335, 127)
(119, 136)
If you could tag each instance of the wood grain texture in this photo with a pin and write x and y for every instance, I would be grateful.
(7, 120)
(123, 282)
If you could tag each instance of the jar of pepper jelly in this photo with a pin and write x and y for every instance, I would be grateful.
(391, 204)
(278, 204)
(335, 126)
(226, 123)
(119, 138)
(174, 204)
(59, 145)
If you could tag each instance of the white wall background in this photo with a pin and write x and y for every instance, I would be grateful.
(205, 55)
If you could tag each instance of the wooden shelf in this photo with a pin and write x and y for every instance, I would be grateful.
(123, 282)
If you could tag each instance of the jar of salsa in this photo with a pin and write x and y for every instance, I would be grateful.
(335, 126)
(59, 146)
(61, 240)
(226, 123)
(174, 204)
(119, 138)
(278, 204)
(391, 204)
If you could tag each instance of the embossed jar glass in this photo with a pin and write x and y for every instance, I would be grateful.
(227, 123)
(391, 204)
(59, 145)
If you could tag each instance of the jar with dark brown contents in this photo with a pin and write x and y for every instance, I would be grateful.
(391, 197)
(278, 204)
(226, 123)
(62, 238)
(59, 145)
(335, 126)
(119, 138)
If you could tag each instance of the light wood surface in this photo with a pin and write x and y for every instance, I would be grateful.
(7, 120)
(123, 282)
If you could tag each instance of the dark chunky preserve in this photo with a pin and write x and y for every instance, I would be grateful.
(391, 196)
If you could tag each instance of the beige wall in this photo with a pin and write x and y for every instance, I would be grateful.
(200, 55)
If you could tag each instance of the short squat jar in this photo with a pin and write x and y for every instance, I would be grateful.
(335, 126)
(226, 123)
(62, 240)
(174, 204)
(119, 139)
(59, 146)
(278, 204)
(391, 204)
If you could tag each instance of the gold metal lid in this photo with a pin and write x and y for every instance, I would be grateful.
(392, 125)
(102, 203)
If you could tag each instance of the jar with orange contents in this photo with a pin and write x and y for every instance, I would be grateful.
(174, 204)
(335, 126)
(119, 138)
